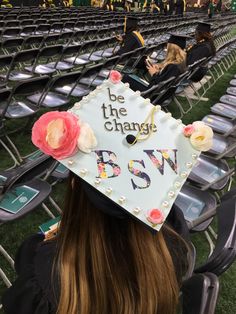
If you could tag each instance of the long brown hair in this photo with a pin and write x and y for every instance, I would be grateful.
(109, 265)
(206, 36)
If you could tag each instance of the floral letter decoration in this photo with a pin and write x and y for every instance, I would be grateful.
(155, 216)
(115, 77)
(200, 135)
(61, 134)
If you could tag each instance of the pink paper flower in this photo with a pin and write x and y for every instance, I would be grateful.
(115, 77)
(56, 134)
(155, 216)
(188, 130)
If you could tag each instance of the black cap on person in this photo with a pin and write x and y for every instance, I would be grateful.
(203, 27)
(179, 40)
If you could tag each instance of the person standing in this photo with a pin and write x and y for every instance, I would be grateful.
(211, 9)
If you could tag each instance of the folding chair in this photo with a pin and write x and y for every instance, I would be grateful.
(210, 173)
(222, 147)
(9, 146)
(11, 45)
(86, 50)
(229, 100)
(18, 105)
(220, 125)
(62, 65)
(59, 90)
(193, 203)
(5, 64)
(200, 294)
(21, 59)
(33, 192)
(225, 248)
(91, 76)
(44, 56)
(224, 110)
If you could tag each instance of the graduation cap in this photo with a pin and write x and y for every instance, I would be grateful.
(179, 40)
(131, 23)
(203, 27)
(131, 156)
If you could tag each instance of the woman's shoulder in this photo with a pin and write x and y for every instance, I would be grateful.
(32, 290)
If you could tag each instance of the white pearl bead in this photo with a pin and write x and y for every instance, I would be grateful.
(138, 93)
(177, 184)
(70, 162)
(165, 204)
(183, 174)
(97, 181)
(122, 199)
(83, 172)
(127, 85)
(189, 165)
(108, 191)
(194, 156)
(171, 194)
(136, 210)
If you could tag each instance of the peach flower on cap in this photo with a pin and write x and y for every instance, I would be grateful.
(155, 216)
(188, 130)
(115, 76)
(56, 134)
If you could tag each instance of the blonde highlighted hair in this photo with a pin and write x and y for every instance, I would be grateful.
(174, 55)
(111, 266)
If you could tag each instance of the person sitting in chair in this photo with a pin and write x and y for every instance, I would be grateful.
(204, 48)
(173, 65)
(132, 38)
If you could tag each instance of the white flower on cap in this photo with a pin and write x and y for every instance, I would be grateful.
(86, 140)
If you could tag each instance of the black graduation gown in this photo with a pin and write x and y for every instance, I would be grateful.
(130, 43)
(34, 292)
(169, 71)
(198, 52)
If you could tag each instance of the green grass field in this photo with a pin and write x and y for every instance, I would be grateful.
(12, 234)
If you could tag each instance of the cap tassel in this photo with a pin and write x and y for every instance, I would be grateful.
(131, 139)
(125, 22)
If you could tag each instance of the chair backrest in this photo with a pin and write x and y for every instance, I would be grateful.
(65, 79)
(30, 86)
(199, 294)
(12, 42)
(50, 51)
(224, 252)
(26, 55)
(207, 170)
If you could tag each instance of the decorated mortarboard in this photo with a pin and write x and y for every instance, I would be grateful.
(179, 40)
(203, 27)
(127, 150)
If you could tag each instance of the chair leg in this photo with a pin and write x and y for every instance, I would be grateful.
(47, 210)
(5, 279)
(7, 256)
(210, 242)
(16, 162)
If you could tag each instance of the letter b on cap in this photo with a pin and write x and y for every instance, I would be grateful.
(103, 165)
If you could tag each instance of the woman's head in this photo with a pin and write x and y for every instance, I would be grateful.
(203, 33)
(112, 265)
(130, 24)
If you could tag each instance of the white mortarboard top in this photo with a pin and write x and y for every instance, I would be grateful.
(144, 178)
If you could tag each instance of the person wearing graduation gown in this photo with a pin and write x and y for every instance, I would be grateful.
(204, 48)
(132, 38)
(39, 287)
(101, 258)
(173, 65)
